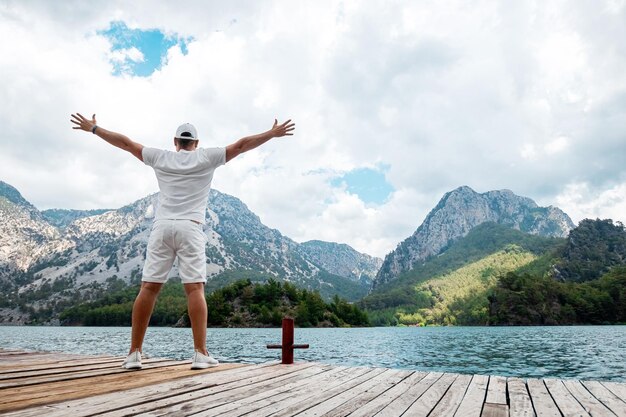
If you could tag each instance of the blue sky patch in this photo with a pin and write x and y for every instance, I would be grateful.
(367, 183)
(139, 52)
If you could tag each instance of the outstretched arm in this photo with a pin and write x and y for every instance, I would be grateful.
(251, 142)
(115, 139)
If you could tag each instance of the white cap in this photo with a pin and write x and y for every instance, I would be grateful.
(186, 131)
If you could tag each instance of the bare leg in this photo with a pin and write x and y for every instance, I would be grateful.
(142, 310)
(196, 307)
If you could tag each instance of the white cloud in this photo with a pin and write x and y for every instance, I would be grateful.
(556, 145)
(581, 201)
(492, 95)
(121, 55)
(528, 151)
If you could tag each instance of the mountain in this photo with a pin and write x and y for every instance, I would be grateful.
(24, 234)
(60, 256)
(457, 213)
(341, 259)
(592, 249)
(499, 275)
(62, 217)
(582, 281)
(454, 287)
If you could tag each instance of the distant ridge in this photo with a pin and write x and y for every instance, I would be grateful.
(341, 259)
(453, 287)
(458, 212)
(63, 217)
(63, 256)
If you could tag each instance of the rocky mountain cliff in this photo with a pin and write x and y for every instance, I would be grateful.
(340, 259)
(61, 250)
(61, 218)
(25, 236)
(458, 212)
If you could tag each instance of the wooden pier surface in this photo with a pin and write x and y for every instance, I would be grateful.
(59, 384)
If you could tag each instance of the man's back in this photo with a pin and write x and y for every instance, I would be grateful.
(184, 180)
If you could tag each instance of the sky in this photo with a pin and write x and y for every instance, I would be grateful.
(395, 103)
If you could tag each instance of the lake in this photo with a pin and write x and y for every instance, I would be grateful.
(582, 352)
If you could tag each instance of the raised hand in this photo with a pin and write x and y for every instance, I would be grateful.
(82, 122)
(285, 129)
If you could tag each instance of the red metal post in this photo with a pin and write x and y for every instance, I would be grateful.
(287, 340)
(287, 346)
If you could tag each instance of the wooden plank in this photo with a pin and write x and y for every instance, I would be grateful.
(452, 398)
(400, 404)
(45, 365)
(207, 406)
(472, 403)
(8, 364)
(32, 395)
(568, 406)
(494, 410)
(607, 397)
(315, 395)
(34, 365)
(587, 400)
(56, 384)
(542, 401)
(496, 391)
(305, 393)
(23, 375)
(18, 383)
(260, 403)
(25, 355)
(520, 403)
(219, 396)
(385, 382)
(331, 403)
(254, 403)
(495, 403)
(221, 393)
(426, 402)
(617, 388)
(380, 402)
(145, 394)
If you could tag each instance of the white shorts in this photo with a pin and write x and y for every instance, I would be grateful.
(169, 239)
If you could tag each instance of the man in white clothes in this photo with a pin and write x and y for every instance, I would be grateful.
(184, 179)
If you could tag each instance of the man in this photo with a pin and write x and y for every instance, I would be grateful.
(184, 179)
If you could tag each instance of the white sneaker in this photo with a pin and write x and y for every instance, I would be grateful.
(202, 361)
(133, 361)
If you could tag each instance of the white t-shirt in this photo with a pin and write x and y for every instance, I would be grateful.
(184, 180)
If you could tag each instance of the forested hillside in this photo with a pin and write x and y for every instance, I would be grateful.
(458, 213)
(498, 276)
(484, 240)
(592, 249)
(459, 297)
(240, 304)
(522, 299)
(584, 284)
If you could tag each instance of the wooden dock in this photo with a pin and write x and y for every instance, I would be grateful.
(59, 384)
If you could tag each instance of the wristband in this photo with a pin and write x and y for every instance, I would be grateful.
(93, 129)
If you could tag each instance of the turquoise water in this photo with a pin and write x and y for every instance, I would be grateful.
(583, 352)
